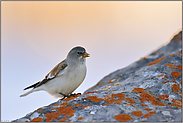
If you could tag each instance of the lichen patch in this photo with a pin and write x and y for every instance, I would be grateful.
(72, 97)
(37, 119)
(137, 113)
(176, 88)
(94, 98)
(60, 111)
(156, 61)
(175, 74)
(123, 117)
(80, 118)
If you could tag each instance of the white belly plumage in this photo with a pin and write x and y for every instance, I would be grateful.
(66, 83)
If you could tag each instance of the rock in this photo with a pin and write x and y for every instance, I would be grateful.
(149, 90)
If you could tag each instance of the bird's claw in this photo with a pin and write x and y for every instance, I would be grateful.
(73, 94)
(68, 96)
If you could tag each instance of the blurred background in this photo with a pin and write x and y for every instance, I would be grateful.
(38, 35)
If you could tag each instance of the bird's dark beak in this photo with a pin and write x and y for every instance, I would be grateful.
(86, 55)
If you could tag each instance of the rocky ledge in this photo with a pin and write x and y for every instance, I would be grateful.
(149, 90)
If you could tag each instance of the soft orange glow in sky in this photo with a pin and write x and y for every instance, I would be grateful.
(36, 35)
(74, 14)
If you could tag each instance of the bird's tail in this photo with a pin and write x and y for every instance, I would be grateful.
(33, 90)
(27, 93)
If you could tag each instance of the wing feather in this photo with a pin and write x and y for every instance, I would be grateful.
(34, 85)
(58, 68)
(51, 75)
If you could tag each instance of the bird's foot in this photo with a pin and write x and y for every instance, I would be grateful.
(73, 94)
(63, 95)
(68, 96)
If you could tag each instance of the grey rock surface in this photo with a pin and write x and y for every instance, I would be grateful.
(149, 90)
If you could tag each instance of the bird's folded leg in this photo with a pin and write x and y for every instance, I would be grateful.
(69, 95)
(77, 93)
(64, 96)
(74, 94)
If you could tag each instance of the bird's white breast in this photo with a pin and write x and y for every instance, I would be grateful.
(66, 82)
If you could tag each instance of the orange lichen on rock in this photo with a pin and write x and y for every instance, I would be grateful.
(49, 116)
(109, 98)
(177, 38)
(123, 117)
(61, 111)
(164, 97)
(66, 111)
(111, 81)
(86, 106)
(148, 109)
(144, 58)
(118, 83)
(72, 97)
(137, 113)
(139, 90)
(142, 99)
(175, 88)
(172, 99)
(80, 118)
(146, 97)
(131, 101)
(37, 119)
(94, 98)
(160, 76)
(175, 74)
(53, 108)
(63, 119)
(142, 104)
(167, 82)
(152, 112)
(119, 95)
(147, 115)
(64, 104)
(178, 103)
(171, 55)
(71, 115)
(89, 92)
(106, 104)
(78, 105)
(171, 66)
(157, 103)
(106, 76)
(156, 61)
(39, 109)
(179, 67)
(165, 76)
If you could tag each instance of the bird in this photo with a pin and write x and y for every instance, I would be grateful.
(65, 77)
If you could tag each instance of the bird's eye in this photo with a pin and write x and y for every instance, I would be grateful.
(79, 52)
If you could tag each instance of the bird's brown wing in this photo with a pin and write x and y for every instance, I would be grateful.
(34, 85)
(58, 68)
(51, 75)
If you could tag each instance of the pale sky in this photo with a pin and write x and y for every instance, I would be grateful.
(38, 35)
